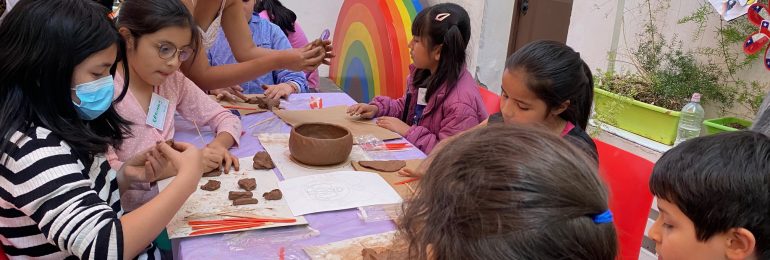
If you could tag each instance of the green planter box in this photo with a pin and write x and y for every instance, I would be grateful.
(652, 122)
(720, 125)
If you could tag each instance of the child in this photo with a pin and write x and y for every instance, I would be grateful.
(547, 83)
(505, 192)
(274, 11)
(441, 93)
(279, 83)
(159, 35)
(59, 198)
(713, 194)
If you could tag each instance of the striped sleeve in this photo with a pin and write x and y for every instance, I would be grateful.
(43, 180)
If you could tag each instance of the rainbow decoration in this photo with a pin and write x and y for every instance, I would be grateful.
(371, 43)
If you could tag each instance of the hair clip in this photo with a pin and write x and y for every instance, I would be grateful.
(604, 218)
(440, 17)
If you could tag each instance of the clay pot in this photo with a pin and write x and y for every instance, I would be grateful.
(320, 144)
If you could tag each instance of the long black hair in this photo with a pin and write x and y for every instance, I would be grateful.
(42, 43)
(556, 73)
(279, 14)
(453, 33)
(143, 17)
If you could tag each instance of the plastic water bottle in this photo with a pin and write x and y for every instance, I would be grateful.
(690, 120)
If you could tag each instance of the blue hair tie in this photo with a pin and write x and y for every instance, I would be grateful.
(604, 218)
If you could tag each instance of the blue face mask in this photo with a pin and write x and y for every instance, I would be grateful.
(95, 97)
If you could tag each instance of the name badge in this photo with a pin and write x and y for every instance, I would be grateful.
(421, 96)
(156, 114)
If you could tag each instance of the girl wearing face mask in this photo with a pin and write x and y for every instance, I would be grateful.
(59, 198)
(160, 36)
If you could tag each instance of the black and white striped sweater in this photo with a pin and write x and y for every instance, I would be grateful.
(54, 205)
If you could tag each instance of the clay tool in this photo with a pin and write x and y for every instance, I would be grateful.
(406, 181)
(262, 122)
(199, 131)
(239, 107)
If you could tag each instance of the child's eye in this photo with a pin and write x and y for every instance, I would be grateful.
(523, 108)
(667, 226)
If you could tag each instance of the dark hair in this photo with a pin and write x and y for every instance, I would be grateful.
(43, 42)
(453, 33)
(719, 182)
(509, 192)
(278, 14)
(143, 17)
(556, 73)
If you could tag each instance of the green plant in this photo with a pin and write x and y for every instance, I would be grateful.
(667, 73)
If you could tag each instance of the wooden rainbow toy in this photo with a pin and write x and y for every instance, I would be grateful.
(370, 41)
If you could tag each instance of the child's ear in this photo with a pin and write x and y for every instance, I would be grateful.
(561, 108)
(126, 34)
(740, 244)
(436, 53)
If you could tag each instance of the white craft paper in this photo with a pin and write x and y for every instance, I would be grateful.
(209, 205)
(336, 191)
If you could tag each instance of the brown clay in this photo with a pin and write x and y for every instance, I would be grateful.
(169, 142)
(234, 195)
(216, 172)
(248, 184)
(380, 253)
(320, 144)
(262, 161)
(264, 102)
(275, 194)
(212, 185)
(245, 201)
(384, 166)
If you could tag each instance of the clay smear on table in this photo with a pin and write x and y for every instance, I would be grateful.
(264, 102)
(262, 161)
(384, 166)
(212, 185)
(275, 194)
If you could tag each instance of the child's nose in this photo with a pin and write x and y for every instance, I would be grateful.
(654, 232)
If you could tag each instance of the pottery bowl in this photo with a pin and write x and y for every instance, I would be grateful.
(320, 144)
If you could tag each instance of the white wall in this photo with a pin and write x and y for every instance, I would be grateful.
(493, 46)
(314, 16)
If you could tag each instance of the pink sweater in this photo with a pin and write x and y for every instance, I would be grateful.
(298, 39)
(184, 98)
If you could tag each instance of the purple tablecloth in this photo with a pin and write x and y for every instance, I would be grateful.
(333, 226)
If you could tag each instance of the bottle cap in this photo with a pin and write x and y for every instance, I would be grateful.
(695, 97)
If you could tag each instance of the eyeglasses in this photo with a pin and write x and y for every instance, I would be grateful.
(167, 51)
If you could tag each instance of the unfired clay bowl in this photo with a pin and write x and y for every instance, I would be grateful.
(320, 144)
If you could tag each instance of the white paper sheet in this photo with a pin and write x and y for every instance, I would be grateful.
(740, 8)
(336, 191)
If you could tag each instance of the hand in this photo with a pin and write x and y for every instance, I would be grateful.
(364, 110)
(148, 166)
(232, 94)
(215, 155)
(311, 56)
(184, 157)
(393, 124)
(278, 91)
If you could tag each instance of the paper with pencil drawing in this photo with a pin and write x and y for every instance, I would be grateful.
(336, 191)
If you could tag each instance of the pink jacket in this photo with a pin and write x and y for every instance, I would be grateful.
(298, 39)
(446, 114)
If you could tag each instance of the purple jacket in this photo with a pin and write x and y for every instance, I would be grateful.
(446, 114)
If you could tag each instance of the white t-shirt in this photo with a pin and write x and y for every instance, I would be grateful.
(8, 6)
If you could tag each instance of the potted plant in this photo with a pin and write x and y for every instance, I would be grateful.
(725, 124)
(647, 101)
